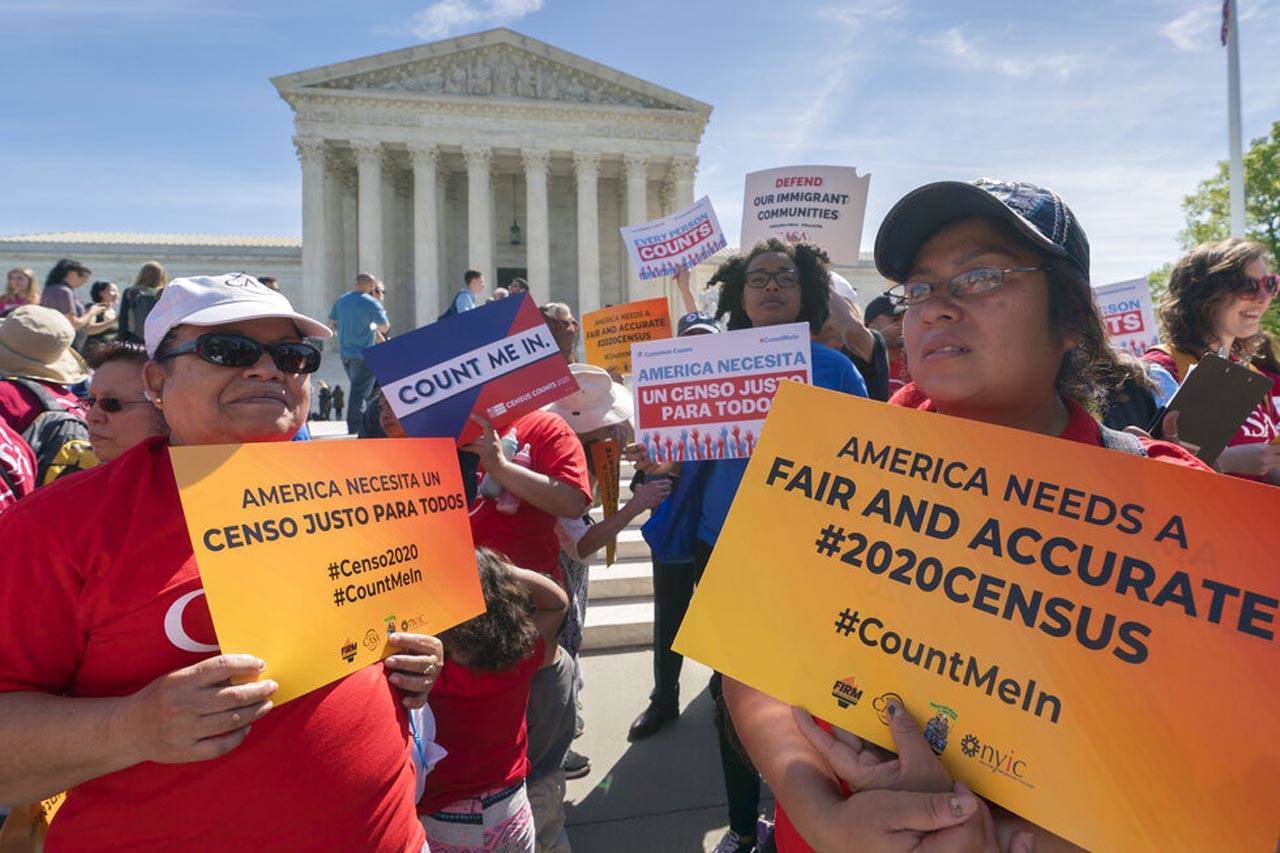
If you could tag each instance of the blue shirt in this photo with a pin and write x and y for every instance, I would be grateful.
(831, 370)
(358, 315)
(464, 301)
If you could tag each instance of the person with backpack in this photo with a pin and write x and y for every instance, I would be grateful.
(469, 297)
(38, 366)
(139, 299)
(1000, 327)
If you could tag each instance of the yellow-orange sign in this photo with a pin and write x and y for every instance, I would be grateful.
(609, 333)
(312, 552)
(606, 459)
(27, 826)
(1088, 637)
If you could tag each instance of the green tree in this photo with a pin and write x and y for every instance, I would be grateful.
(1208, 209)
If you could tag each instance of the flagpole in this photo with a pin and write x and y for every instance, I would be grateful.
(1236, 171)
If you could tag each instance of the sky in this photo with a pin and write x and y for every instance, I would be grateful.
(157, 115)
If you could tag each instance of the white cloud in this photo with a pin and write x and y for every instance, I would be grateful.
(445, 17)
(1191, 30)
(975, 54)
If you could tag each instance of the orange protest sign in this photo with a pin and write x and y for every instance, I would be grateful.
(609, 333)
(310, 553)
(606, 459)
(1087, 636)
(27, 826)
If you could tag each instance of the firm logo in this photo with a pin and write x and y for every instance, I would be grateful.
(348, 651)
(846, 691)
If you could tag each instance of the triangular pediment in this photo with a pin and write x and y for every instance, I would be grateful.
(494, 64)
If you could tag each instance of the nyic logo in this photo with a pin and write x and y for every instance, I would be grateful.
(996, 759)
(846, 691)
(348, 651)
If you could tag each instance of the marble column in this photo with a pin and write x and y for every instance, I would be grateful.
(369, 168)
(586, 169)
(426, 244)
(479, 211)
(311, 155)
(335, 277)
(538, 246)
(637, 211)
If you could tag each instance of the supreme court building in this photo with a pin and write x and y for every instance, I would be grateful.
(491, 151)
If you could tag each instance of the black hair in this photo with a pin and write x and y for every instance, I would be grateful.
(813, 265)
(469, 275)
(58, 274)
(110, 351)
(504, 634)
(96, 289)
(518, 284)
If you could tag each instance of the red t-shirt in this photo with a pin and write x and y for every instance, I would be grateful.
(19, 407)
(1081, 427)
(897, 375)
(1262, 425)
(19, 465)
(480, 720)
(528, 537)
(102, 604)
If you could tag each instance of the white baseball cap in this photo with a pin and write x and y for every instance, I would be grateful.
(210, 300)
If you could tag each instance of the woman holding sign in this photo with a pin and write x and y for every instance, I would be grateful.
(1217, 295)
(999, 327)
(773, 284)
(112, 685)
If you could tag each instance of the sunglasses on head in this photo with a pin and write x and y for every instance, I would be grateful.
(1267, 284)
(111, 405)
(227, 349)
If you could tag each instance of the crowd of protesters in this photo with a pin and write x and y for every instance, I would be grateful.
(112, 686)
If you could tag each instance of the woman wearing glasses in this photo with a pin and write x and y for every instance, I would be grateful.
(114, 686)
(1000, 327)
(773, 284)
(119, 416)
(1217, 295)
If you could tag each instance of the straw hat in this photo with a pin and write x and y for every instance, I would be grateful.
(35, 343)
(598, 402)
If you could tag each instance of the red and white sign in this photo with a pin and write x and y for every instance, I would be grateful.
(1129, 314)
(706, 396)
(677, 242)
(823, 205)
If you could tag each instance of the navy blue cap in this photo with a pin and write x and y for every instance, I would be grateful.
(1037, 213)
(882, 306)
(696, 321)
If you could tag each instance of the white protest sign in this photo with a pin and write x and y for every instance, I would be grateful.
(1129, 314)
(677, 242)
(824, 205)
(706, 396)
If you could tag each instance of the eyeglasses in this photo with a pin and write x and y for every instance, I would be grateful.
(226, 349)
(971, 283)
(1255, 287)
(111, 405)
(785, 278)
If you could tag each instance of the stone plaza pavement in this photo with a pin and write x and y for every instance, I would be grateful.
(661, 795)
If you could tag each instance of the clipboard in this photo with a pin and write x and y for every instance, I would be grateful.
(1212, 402)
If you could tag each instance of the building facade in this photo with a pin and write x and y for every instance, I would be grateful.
(490, 151)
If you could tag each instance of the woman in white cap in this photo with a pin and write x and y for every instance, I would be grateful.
(112, 684)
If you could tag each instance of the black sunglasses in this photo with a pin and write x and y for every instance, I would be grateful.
(111, 405)
(227, 349)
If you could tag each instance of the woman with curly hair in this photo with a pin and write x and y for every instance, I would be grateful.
(772, 284)
(475, 797)
(1217, 295)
